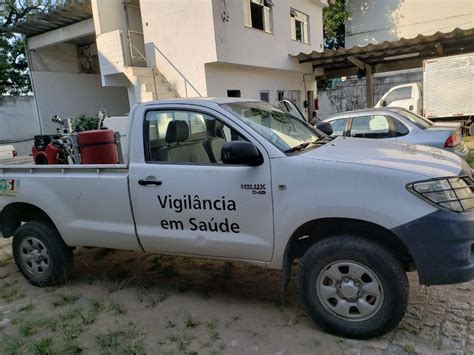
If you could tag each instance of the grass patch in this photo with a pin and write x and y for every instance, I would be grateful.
(63, 300)
(470, 159)
(124, 340)
(5, 261)
(10, 291)
(43, 346)
(105, 305)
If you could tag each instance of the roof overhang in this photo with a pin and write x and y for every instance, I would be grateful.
(76, 11)
(389, 56)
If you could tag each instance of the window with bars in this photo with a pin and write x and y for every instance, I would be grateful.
(299, 26)
(258, 14)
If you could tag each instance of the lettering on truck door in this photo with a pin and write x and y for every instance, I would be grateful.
(186, 200)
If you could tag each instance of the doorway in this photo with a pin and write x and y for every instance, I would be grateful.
(135, 33)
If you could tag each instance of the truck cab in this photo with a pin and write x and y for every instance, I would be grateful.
(408, 96)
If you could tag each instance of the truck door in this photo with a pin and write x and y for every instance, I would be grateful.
(290, 107)
(186, 201)
(400, 96)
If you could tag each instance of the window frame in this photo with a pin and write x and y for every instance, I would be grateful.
(247, 4)
(146, 141)
(346, 130)
(264, 92)
(234, 91)
(394, 91)
(306, 38)
(390, 121)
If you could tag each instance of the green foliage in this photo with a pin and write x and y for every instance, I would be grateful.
(14, 78)
(334, 18)
(85, 123)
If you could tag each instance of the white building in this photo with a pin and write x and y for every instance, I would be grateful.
(111, 54)
(378, 21)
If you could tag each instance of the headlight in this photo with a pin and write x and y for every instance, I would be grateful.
(455, 194)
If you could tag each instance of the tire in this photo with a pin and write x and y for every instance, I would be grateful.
(369, 302)
(471, 129)
(41, 254)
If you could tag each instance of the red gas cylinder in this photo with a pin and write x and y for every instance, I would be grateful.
(97, 147)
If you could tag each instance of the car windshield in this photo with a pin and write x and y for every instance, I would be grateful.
(283, 130)
(418, 121)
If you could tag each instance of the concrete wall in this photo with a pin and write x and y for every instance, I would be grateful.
(109, 15)
(62, 57)
(239, 44)
(18, 122)
(350, 94)
(184, 31)
(251, 80)
(61, 85)
(375, 21)
(72, 94)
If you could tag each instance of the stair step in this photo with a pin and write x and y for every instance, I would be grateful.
(161, 95)
(150, 87)
(141, 71)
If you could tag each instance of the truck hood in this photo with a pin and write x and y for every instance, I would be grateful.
(423, 160)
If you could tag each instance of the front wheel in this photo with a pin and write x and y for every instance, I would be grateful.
(41, 254)
(353, 287)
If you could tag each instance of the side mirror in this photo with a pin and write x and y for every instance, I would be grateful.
(325, 127)
(241, 153)
(383, 103)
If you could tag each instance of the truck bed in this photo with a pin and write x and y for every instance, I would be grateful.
(89, 204)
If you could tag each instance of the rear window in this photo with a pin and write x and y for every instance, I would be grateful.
(418, 121)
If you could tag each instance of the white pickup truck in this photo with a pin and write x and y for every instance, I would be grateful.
(241, 180)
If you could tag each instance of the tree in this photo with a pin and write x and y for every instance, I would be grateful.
(334, 18)
(14, 78)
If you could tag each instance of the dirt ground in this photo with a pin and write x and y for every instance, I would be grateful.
(120, 302)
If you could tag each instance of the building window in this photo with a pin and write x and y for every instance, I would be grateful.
(299, 26)
(265, 96)
(281, 95)
(258, 14)
(234, 93)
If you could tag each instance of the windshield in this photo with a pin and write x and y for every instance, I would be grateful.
(419, 121)
(280, 128)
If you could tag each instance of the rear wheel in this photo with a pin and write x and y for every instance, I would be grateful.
(353, 287)
(41, 254)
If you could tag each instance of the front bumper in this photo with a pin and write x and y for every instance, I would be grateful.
(442, 246)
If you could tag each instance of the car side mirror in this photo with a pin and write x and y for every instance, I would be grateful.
(241, 153)
(325, 127)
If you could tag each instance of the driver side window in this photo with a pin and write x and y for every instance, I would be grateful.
(185, 137)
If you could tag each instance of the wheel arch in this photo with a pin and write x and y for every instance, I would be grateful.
(16, 213)
(316, 230)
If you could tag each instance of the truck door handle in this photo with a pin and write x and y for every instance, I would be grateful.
(149, 182)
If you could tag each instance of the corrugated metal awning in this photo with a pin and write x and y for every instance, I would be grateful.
(76, 11)
(394, 55)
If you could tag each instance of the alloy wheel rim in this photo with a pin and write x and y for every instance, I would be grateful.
(35, 256)
(350, 290)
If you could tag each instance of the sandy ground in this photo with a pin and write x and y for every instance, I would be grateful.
(122, 302)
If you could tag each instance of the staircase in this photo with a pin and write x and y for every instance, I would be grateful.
(149, 84)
